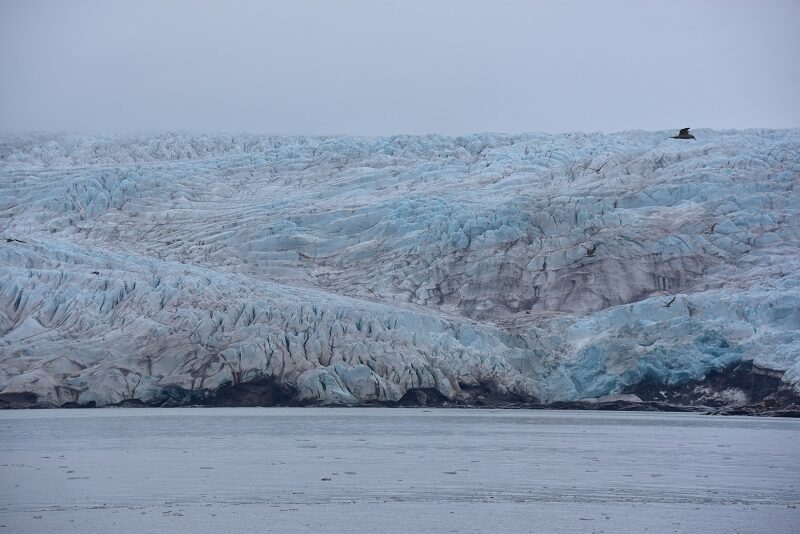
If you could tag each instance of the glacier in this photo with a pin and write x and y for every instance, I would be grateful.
(173, 269)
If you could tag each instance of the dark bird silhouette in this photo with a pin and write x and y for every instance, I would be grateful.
(683, 134)
(668, 304)
(12, 240)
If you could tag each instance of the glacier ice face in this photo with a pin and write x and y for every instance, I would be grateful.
(534, 267)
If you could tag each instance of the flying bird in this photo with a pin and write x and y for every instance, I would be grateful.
(683, 134)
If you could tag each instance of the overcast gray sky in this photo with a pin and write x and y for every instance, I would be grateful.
(370, 67)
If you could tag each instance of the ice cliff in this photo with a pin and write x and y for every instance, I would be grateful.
(174, 268)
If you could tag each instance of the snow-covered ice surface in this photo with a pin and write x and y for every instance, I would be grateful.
(346, 270)
(395, 471)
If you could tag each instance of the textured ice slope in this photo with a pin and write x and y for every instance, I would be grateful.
(346, 270)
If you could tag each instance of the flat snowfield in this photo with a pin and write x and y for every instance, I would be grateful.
(395, 470)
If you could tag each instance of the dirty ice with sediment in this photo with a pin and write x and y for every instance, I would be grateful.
(336, 270)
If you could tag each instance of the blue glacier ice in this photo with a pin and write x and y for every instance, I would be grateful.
(354, 270)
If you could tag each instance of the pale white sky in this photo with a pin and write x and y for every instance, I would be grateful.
(371, 67)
